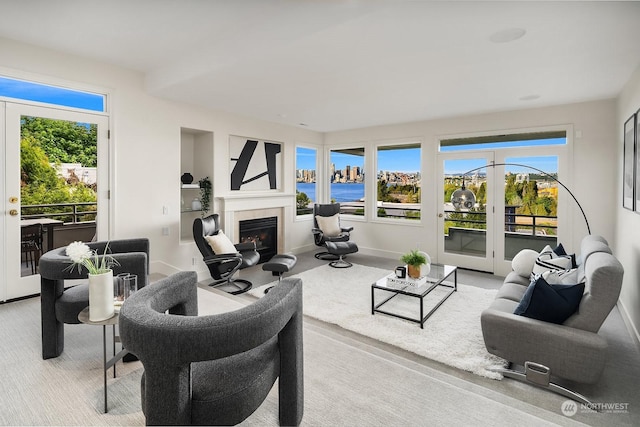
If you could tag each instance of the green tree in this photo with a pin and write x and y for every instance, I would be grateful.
(63, 141)
(302, 201)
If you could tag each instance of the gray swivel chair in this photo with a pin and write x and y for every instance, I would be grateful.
(223, 266)
(60, 305)
(217, 369)
(320, 237)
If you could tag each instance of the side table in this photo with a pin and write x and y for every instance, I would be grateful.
(113, 321)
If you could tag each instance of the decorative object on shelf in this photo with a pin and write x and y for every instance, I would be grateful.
(196, 205)
(100, 278)
(205, 195)
(463, 198)
(414, 260)
(186, 178)
(401, 272)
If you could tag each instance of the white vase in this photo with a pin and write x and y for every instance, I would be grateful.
(101, 296)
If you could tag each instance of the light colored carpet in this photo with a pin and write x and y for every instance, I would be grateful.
(452, 335)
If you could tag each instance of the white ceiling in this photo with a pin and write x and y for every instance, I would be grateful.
(343, 64)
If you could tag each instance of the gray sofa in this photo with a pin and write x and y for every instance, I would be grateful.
(572, 350)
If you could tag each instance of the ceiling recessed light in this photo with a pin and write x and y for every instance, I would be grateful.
(508, 35)
(529, 97)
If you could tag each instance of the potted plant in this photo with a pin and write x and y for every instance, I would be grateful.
(205, 194)
(414, 260)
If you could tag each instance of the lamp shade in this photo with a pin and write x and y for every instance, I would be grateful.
(463, 198)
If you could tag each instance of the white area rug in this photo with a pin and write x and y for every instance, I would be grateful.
(452, 335)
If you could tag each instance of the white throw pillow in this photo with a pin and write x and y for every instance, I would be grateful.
(221, 244)
(548, 260)
(562, 277)
(330, 225)
(523, 262)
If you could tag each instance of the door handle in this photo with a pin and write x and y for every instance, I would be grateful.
(13, 212)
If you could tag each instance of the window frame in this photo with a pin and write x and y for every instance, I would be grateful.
(317, 176)
(401, 144)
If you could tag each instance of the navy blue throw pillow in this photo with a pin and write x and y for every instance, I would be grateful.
(550, 303)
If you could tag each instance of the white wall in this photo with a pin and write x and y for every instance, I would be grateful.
(627, 247)
(593, 180)
(146, 145)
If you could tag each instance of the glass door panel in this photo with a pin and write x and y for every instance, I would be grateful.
(465, 219)
(530, 203)
(56, 186)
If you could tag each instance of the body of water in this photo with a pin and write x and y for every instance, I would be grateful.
(350, 192)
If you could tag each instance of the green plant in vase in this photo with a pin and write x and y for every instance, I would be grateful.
(414, 260)
(205, 194)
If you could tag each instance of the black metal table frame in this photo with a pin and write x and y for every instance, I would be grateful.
(107, 363)
(400, 291)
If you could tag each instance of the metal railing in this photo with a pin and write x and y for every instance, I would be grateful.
(69, 213)
(511, 224)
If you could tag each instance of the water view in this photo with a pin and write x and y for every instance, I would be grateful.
(341, 192)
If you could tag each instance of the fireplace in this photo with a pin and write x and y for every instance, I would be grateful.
(262, 231)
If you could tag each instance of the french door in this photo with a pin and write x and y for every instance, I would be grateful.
(466, 234)
(518, 205)
(20, 273)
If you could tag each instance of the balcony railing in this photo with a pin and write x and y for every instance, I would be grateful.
(69, 213)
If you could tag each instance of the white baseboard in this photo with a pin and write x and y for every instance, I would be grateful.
(633, 331)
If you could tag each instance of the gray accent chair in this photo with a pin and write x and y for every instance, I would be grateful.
(60, 305)
(216, 369)
(572, 350)
(319, 238)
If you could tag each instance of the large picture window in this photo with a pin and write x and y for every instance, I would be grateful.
(306, 184)
(399, 181)
(346, 176)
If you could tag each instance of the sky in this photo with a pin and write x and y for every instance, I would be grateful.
(19, 89)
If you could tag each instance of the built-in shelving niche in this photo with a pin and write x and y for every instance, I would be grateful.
(196, 157)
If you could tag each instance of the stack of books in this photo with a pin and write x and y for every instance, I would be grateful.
(396, 282)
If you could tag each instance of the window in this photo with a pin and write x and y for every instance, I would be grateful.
(30, 91)
(530, 139)
(305, 180)
(347, 179)
(399, 181)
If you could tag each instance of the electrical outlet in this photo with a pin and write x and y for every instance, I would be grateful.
(193, 261)
(165, 210)
(165, 231)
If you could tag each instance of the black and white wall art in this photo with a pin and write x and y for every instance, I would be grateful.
(629, 178)
(256, 164)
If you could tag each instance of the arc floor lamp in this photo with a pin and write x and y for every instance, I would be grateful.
(463, 198)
